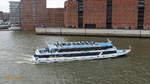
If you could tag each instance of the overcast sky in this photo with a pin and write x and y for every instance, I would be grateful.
(4, 4)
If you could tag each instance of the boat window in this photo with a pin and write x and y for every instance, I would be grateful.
(43, 51)
(74, 43)
(84, 49)
(106, 47)
(47, 49)
(108, 52)
(78, 43)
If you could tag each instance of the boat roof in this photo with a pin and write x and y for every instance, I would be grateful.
(78, 45)
(105, 44)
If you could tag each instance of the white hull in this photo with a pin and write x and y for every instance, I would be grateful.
(65, 59)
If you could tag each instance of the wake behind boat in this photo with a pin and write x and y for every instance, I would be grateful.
(73, 51)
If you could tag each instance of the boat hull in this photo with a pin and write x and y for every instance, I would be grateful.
(37, 60)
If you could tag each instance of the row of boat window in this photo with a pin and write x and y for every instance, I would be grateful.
(75, 49)
(74, 43)
(79, 54)
(84, 49)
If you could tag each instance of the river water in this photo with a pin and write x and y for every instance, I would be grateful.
(16, 49)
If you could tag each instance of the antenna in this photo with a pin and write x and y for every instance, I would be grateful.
(34, 50)
(130, 47)
(109, 40)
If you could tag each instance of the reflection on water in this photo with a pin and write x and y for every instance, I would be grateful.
(16, 49)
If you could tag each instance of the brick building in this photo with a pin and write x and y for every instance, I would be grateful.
(124, 14)
(94, 14)
(55, 17)
(71, 14)
(86, 13)
(34, 13)
(146, 14)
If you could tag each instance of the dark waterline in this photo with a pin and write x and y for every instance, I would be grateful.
(16, 49)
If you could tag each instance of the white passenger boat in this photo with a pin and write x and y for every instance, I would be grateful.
(73, 51)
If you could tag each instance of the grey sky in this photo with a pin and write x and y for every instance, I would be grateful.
(4, 4)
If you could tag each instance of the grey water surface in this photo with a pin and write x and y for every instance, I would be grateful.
(16, 49)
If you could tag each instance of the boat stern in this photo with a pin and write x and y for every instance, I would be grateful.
(34, 59)
(123, 52)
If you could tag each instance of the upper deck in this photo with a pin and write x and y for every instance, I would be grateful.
(70, 45)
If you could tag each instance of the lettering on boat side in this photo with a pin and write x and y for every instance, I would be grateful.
(13, 77)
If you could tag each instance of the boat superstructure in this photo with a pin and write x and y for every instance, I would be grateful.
(71, 51)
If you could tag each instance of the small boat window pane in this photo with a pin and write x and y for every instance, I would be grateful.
(108, 52)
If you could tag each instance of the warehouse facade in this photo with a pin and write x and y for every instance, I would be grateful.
(34, 13)
(119, 14)
(56, 17)
(109, 14)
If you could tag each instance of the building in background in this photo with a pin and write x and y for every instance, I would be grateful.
(71, 14)
(144, 14)
(34, 13)
(14, 12)
(109, 14)
(118, 14)
(94, 14)
(55, 17)
(6, 17)
(1, 15)
(125, 14)
(86, 13)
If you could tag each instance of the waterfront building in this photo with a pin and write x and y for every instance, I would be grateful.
(34, 13)
(1, 15)
(14, 12)
(108, 14)
(84, 13)
(6, 17)
(118, 14)
(55, 17)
